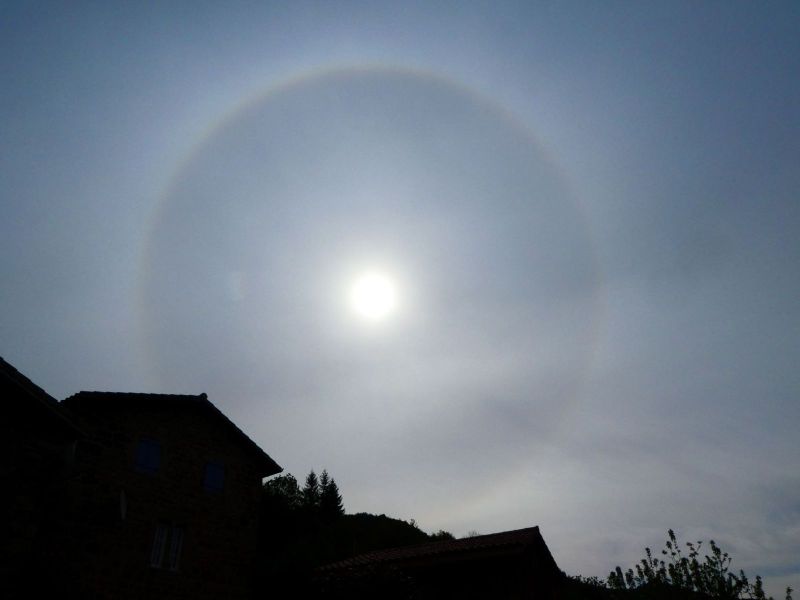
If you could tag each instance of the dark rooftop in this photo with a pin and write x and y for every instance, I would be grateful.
(119, 400)
(44, 401)
(506, 542)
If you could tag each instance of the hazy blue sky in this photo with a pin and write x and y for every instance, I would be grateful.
(590, 213)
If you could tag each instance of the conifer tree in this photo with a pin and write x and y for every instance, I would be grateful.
(324, 482)
(330, 499)
(311, 491)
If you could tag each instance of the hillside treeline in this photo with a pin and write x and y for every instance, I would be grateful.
(302, 528)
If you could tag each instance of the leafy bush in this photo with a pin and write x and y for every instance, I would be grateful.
(706, 575)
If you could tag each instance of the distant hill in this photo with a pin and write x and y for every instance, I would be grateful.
(363, 532)
(295, 542)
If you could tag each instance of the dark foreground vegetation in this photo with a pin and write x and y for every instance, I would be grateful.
(305, 528)
(689, 572)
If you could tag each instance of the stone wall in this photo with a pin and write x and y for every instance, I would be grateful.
(114, 509)
(36, 450)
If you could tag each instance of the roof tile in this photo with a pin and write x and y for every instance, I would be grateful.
(517, 538)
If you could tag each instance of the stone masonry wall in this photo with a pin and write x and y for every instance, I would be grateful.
(114, 509)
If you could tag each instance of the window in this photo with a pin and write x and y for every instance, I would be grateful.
(214, 477)
(159, 543)
(167, 547)
(175, 547)
(148, 456)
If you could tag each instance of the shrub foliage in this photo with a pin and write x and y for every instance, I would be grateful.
(690, 571)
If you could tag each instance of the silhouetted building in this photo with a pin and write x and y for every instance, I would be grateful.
(164, 499)
(113, 495)
(511, 564)
(38, 444)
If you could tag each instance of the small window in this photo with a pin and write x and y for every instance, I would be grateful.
(214, 478)
(148, 456)
(167, 547)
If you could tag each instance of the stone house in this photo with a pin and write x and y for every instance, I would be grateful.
(122, 495)
(164, 499)
(38, 443)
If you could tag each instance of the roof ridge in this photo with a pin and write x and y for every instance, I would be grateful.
(38, 393)
(472, 537)
(201, 395)
(21, 378)
(198, 401)
(441, 547)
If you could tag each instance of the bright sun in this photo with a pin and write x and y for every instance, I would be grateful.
(373, 296)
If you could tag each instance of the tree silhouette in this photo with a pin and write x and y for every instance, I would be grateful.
(283, 490)
(330, 499)
(324, 480)
(441, 536)
(708, 575)
(311, 492)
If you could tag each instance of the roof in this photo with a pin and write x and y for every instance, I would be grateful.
(120, 400)
(503, 543)
(41, 400)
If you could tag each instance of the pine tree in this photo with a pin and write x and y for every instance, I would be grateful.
(311, 491)
(330, 499)
(324, 481)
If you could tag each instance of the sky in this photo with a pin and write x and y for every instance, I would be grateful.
(586, 215)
